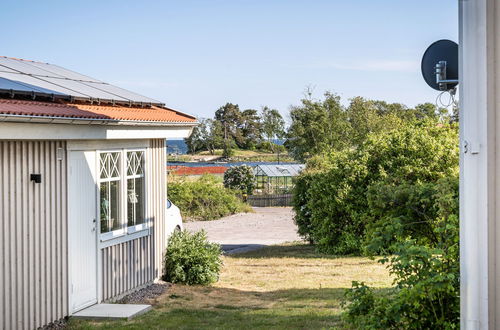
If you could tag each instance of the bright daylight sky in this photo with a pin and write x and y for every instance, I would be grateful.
(197, 55)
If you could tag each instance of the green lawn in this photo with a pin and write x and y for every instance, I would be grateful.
(279, 287)
(239, 155)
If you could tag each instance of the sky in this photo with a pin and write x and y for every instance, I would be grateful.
(195, 56)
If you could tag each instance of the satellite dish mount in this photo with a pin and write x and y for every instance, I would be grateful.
(441, 77)
(440, 65)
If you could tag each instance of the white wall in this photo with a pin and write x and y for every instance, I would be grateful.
(33, 240)
(33, 131)
(479, 163)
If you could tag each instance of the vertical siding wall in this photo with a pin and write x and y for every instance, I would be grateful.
(33, 234)
(158, 200)
(137, 262)
(126, 266)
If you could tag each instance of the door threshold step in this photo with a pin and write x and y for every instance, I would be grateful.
(112, 311)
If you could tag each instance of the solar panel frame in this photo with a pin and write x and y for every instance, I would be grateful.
(6, 69)
(131, 96)
(83, 88)
(24, 67)
(37, 82)
(55, 80)
(57, 70)
(10, 85)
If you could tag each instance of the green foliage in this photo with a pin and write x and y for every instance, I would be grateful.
(320, 126)
(360, 300)
(191, 259)
(228, 150)
(205, 199)
(231, 119)
(208, 135)
(251, 128)
(332, 197)
(271, 147)
(394, 194)
(240, 178)
(273, 125)
(427, 284)
(409, 211)
(232, 128)
(317, 126)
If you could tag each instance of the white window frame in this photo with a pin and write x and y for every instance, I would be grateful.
(144, 225)
(125, 233)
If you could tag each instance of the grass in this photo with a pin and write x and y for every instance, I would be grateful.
(239, 155)
(281, 287)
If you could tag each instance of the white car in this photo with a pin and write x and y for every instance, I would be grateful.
(173, 218)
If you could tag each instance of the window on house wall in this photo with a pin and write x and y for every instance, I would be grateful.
(122, 192)
(110, 177)
(135, 188)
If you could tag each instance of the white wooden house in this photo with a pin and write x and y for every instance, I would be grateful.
(82, 191)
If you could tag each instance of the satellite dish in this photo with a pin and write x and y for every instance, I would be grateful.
(440, 65)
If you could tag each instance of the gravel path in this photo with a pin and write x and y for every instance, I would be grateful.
(248, 231)
(146, 295)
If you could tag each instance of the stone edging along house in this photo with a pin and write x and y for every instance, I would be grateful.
(82, 191)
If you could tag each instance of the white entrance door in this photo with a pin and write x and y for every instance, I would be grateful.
(82, 229)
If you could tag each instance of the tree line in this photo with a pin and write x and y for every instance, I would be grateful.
(323, 125)
(316, 125)
(232, 128)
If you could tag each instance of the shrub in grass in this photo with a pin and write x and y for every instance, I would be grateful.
(205, 198)
(240, 178)
(191, 259)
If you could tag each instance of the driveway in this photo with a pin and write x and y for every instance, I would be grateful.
(249, 231)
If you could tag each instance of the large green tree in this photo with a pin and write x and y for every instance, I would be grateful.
(214, 139)
(251, 128)
(367, 116)
(317, 126)
(273, 124)
(231, 119)
(195, 142)
(208, 135)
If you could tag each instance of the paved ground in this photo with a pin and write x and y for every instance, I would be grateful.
(249, 231)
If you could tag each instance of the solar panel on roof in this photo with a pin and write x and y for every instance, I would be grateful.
(5, 69)
(83, 88)
(122, 92)
(37, 82)
(24, 67)
(55, 69)
(55, 80)
(7, 84)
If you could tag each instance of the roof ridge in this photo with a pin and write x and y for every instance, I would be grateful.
(22, 59)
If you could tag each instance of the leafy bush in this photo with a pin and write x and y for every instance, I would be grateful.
(271, 147)
(409, 211)
(191, 259)
(228, 149)
(323, 125)
(205, 198)
(332, 196)
(417, 229)
(240, 178)
(427, 285)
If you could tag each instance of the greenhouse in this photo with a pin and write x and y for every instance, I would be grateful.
(276, 178)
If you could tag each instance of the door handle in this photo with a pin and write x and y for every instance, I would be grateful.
(94, 225)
